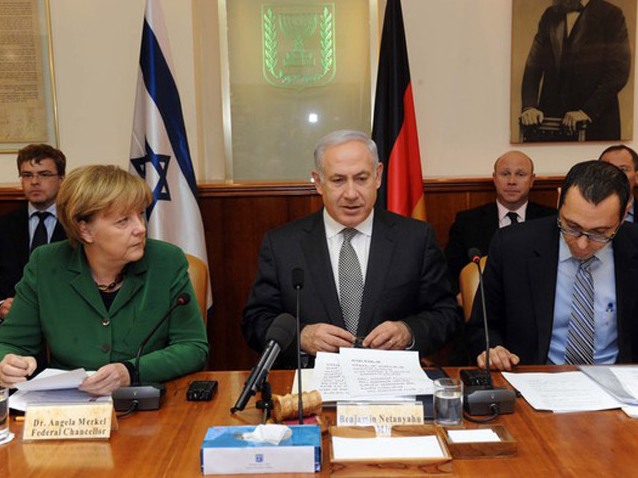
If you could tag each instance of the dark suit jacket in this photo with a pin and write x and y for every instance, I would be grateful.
(14, 248)
(475, 228)
(584, 73)
(406, 280)
(520, 287)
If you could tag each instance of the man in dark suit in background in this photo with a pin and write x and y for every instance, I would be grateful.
(513, 178)
(41, 169)
(564, 291)
(580, 55)
(626, 159)
(372, 278)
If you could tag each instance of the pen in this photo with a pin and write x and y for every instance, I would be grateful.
(610, 311)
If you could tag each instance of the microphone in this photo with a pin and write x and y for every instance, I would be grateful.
(138, 396)
(297, 283)
(481, 398)
(278, 337)
(474, 255)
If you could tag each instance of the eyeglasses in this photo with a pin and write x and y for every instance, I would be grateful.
(44, 175)
(601, 238)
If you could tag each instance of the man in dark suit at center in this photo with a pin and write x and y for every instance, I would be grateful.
(372, 278)
(513, 177)
(563, 291)
(41, 169)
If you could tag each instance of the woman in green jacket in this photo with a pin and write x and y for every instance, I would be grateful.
(90, 301)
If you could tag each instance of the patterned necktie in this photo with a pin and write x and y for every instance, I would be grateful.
(350, 282)
(580, 332)
(40, 236)
(513, 217)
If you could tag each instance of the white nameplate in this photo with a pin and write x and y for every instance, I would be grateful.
(382, 416)
(68, 422)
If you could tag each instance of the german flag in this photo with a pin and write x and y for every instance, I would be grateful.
(394, 127)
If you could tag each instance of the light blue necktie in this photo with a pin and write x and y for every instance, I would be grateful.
(579, 349)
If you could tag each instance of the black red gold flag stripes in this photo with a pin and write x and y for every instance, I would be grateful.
(394, 126)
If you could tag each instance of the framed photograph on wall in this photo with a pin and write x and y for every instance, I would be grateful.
(28, 112)
(572, 75)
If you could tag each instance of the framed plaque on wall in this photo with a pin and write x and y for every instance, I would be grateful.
(28, 112)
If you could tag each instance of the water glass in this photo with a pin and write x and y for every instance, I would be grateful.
(4, 413)
(448, 401)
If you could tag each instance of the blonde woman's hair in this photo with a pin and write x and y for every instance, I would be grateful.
(89, 190)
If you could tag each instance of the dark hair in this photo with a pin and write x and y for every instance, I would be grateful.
(37, 152)
(596, 181)
(622, 147)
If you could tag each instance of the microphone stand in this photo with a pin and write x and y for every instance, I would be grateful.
(138, 396)
(486, 399)
(299, 387)
(265, 403)
(477, 260)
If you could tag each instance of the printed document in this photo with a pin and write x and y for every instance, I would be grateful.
(383, 373)
(53, 386)
(561, 392)
(398, 376)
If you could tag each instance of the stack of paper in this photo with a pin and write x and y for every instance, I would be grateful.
(592, 388)
(366, 375)
(52, 386)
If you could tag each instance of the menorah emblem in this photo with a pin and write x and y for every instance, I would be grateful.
(298, 27)
(299, 46)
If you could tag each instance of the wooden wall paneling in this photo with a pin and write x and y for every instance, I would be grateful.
(10, 199)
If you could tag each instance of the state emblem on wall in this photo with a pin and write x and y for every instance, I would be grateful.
(298, 45)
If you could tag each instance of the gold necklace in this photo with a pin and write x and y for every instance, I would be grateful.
(109, 287)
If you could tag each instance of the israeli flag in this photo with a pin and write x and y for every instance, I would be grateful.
(159, 147)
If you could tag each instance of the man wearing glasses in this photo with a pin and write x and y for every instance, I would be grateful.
(41, 169)
(563, 291)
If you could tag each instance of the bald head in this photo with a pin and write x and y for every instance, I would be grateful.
(513, 178)
(515, 156)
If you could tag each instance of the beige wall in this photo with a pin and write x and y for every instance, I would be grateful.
(459, 59)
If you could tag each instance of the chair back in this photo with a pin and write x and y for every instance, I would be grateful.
(198, 273)
(468, 283)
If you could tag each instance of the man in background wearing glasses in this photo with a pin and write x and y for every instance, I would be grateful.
(41, 169)
(563, 291)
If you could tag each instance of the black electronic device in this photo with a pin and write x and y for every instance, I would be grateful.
(480, 396)
(201, 390)
(475, 378)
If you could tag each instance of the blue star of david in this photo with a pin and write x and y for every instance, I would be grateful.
(160, 162)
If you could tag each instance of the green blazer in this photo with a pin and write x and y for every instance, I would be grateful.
(58, 304)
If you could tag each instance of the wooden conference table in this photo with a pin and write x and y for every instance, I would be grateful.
(166, 442)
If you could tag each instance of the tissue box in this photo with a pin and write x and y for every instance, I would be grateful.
(225, 452)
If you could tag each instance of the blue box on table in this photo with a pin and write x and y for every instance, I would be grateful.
(224, 451)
